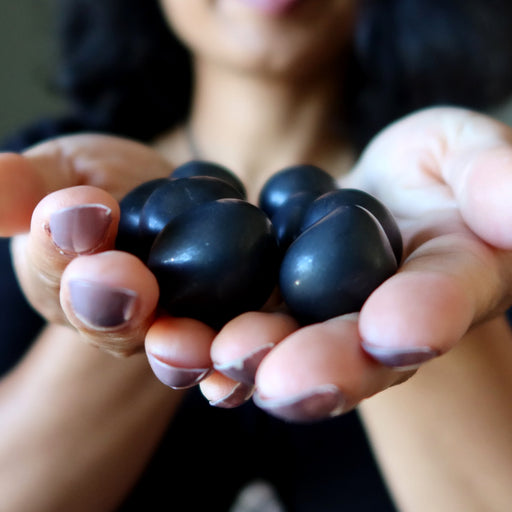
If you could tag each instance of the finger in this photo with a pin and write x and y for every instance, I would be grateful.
(107, 162)
(178, 350)
(79, 220)
(319, 372)
(71, 222)
(244, 341)
(110, 298)
(223, 392)
(446, 285)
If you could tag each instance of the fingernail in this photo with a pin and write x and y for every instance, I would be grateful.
(101, 306)
(238, 396)
(400, 358)
(80, 229)
(317, 404)
(244, 369)
(174, 376)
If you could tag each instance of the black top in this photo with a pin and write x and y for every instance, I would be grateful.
(322, 467)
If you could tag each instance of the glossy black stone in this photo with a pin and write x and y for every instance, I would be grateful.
(328, 202)
(333, 266)
(216, 262)
(176, 197)
(131, 207)
(288, 219)
(290, 181)
(211, 169)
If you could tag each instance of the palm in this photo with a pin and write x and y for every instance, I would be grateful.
(446, 174)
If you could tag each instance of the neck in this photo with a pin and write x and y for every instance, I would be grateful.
(255, 126)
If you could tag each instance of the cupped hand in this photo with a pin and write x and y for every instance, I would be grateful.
(59, 203)
(446, 174)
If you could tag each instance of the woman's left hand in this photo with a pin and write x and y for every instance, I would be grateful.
(446, 174)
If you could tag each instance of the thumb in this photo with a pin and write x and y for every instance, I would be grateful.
(114, 164)
(20, 190)
(481, 181)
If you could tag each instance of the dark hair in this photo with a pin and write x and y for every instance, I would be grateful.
(121, 66)
(411, 54)
(125, 72)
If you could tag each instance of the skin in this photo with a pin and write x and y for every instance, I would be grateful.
(447, 187)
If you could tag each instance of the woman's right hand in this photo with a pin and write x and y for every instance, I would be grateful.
(59, 202)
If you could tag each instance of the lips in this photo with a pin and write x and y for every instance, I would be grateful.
(270, 6)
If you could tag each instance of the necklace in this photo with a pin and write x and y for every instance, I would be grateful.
(193, 147)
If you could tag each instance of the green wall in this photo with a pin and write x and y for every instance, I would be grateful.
(27, 63)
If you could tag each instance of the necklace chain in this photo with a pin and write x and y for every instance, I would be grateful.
(193, 147)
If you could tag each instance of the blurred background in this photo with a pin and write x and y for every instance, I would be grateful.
(27, 64)
(27, 60)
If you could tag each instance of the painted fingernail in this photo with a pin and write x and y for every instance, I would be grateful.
(244, 369)
(176, 377)
(237, 396)
(100, 306)
(400, 358)
(80, 229)
(317, 404)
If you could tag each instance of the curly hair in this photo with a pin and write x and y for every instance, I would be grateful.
(125, 71)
